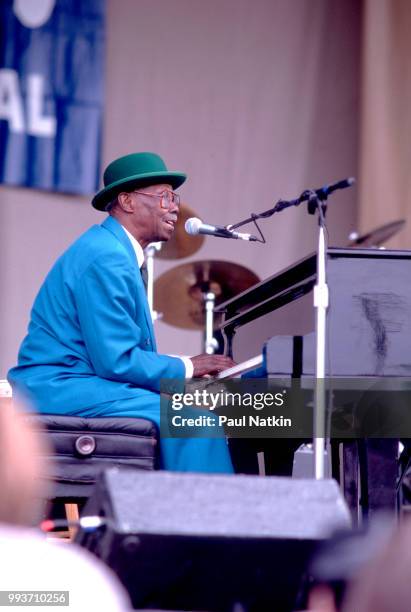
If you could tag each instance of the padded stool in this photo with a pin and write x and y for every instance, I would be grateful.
(81, 448)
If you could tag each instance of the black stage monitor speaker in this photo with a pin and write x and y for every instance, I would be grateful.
(211, 542)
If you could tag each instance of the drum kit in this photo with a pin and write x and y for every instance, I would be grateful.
(185, 296)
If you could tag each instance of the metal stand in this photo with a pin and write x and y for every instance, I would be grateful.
(210, 343)
(150, 252)
(321, 300)
(316, 202)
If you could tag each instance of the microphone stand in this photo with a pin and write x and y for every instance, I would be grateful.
(316, 201)
(321, 302)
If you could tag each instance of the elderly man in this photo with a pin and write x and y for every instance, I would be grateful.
(90, 349)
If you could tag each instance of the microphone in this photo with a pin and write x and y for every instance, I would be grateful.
(194, 226)
(325, 191)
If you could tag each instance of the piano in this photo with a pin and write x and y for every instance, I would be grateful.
(270, 330)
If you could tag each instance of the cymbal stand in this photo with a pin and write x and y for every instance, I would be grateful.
(150, 252)
(210, 343)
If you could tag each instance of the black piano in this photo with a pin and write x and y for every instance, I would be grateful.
(368, 335)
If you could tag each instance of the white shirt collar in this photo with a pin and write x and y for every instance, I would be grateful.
(138, 249)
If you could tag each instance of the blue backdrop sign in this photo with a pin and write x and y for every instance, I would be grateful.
(51, 93)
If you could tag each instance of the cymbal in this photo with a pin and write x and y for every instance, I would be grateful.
(179, 292)
(377, 236)
(181, 244)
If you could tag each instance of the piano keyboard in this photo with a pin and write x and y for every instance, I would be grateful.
(240, 368)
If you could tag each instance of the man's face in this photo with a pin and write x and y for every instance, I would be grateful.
(152, 221)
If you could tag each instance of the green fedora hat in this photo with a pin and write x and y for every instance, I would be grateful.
(134, 171)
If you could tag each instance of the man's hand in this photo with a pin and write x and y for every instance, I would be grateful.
(210, 364)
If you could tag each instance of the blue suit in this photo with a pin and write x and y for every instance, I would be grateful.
(90, 348)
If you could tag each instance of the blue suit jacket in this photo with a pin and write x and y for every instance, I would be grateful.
(90, 338)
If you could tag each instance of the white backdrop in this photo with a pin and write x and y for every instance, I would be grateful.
(385, 154)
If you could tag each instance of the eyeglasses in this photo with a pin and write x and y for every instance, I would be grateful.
(168, 198)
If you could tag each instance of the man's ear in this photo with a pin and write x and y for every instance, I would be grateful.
(125, 201)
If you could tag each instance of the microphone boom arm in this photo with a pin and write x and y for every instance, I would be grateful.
(322, 194)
